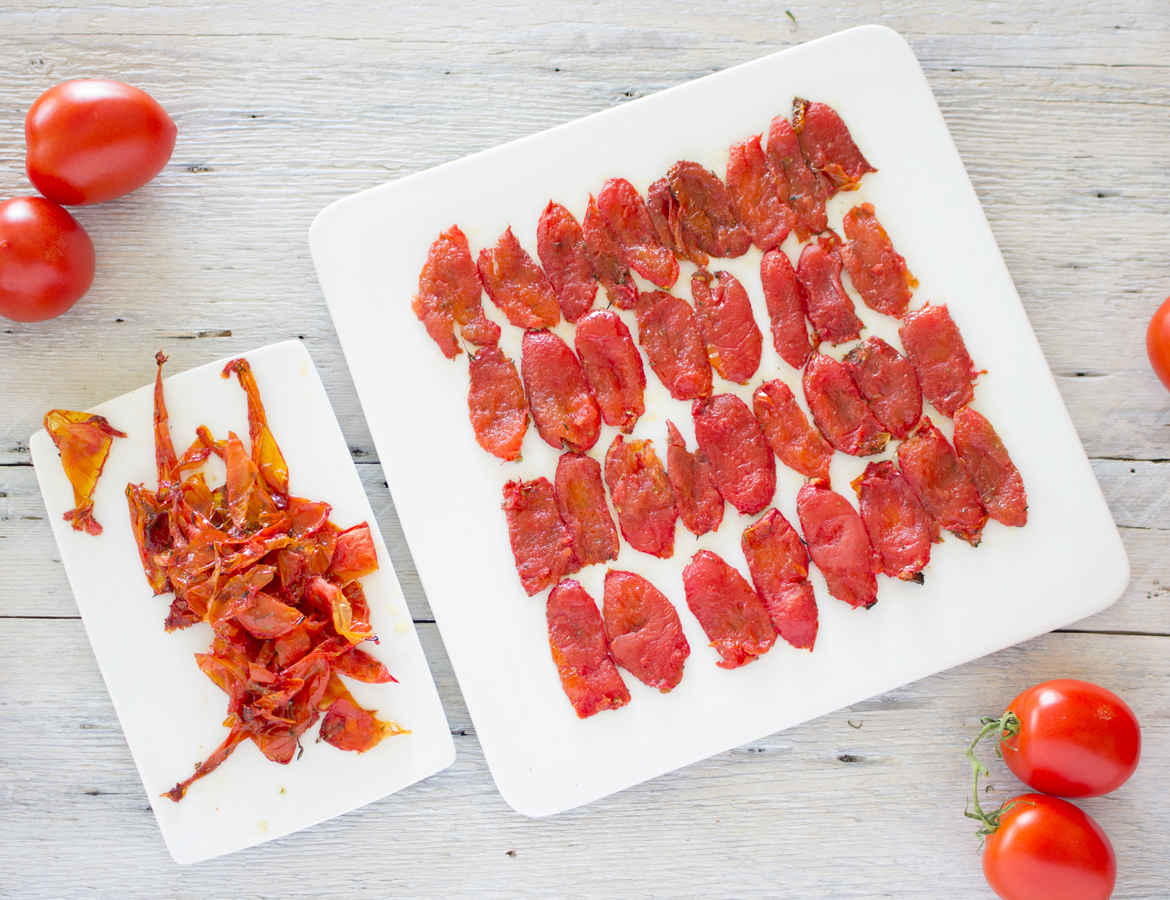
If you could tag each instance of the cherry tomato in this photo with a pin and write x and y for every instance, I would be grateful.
(1158, 343)
(90, 141)
(1047, 849)
(1075, 739)
(46, 259)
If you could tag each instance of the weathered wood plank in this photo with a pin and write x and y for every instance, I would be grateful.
(825, 809)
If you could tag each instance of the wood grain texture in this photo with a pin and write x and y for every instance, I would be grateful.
(1060, 112)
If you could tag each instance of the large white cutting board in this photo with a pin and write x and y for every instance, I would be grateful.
(368, 249)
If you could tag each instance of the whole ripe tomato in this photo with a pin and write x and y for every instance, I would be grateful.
(1075, 739)
(90, 141)
(46, 259)
(1045, 848)
(1158, 343)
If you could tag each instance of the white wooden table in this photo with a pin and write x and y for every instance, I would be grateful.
(1061, 111)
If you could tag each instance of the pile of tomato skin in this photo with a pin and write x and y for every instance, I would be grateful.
(1073, 739)
(87, 141)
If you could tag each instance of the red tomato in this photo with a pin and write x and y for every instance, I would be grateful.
(1075, 739)
(1158, 343)
(1047, 849)
(90, 141)
(46, 259)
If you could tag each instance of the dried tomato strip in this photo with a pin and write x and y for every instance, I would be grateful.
(624, 211)
(794, 441)
(559, 399)
(612, 366)
(645, 634)
(827, 144)
(732, 337)
(732, 614)
(741, 460)
(784, 296)
(899, 527)
(450, 292)
(942, 484)
(699, 503)
(828, 306)
(877, 270)
(778, 563)
(838, 544)
(798, 185)
(576, 636)
(996, 478)
(838, 409)
(581, 500)
(517, 285)
(541, 544)
(886, 379)
(706, 217)
(560, 244)
(755, 194)
(943, 365)
(642, 496)
(607, 259)
(669, 333)
(496, 404)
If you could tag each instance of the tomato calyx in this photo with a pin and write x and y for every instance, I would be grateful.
(1008, 726)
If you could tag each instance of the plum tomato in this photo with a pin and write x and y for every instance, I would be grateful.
(46, 259)
(1158, 343)
(1044, 848)
(1071, 739)
(90, 141)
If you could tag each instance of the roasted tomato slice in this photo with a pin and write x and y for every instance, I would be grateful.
(838, 544)
(886, 379)
(625, 213)
(797, 444)
(495, 402)
(839, 411)
(741, 460)
(755, 196)
(663, 209)
(560, 244)
(581, 499)
(607, 259)
(612, 366)
(877, 270)
(785, 298)
(799, 186)
(941, 482)
(896, 522)
(642, 496)
(828, 306)
(645, 634)
(732, 337)
(996, 478)
(517, 285)
(732, 614)
(562, 407)
(705, 213)
(699, 503)
(828, 145)
(576, 636)
(778, 563)
(669, 333)
(540, 542)
(450, 292)
(943, 365)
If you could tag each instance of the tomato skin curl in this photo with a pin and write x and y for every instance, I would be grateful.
(1047, 849)
(83, 441)
(349, 727)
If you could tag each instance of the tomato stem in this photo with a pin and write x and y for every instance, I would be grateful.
(1006, 727)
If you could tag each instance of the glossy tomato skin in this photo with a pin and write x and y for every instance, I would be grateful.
(90, 141)
(1047, 849)
(46, 259)
(1076, 739)
(1158, 343)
